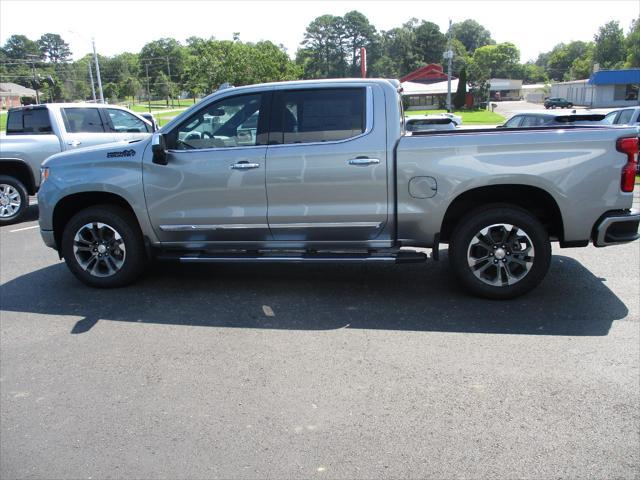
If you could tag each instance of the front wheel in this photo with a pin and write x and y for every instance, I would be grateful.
(500, 252)
(103, 247)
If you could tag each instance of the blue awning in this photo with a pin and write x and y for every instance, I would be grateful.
(615, 77)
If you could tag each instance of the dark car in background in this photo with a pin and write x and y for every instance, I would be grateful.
(543, 119)
(559, 102)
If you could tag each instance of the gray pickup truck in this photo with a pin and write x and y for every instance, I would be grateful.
(322, 171)
(36, 132)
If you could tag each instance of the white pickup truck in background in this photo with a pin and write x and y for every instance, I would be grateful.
(36, 132)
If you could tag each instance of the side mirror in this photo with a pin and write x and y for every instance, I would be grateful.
(159, 149)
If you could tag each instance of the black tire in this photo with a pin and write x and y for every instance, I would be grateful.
(21, 190)
(131, 259)
(515, 257)
(570, 105)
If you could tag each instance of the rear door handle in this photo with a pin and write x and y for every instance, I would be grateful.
(364, 161)
(244, 165)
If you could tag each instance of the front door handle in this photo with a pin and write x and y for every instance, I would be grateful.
(244, 165)
(364, 161)
(74, 143)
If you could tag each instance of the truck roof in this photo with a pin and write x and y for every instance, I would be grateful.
(67, 105)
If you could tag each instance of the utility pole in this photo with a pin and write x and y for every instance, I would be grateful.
(93, 88)
(146, 66)
(35, 80)
(449, 56)
(95, 57)
(170, 84)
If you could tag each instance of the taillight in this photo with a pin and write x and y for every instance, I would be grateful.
(628, 146)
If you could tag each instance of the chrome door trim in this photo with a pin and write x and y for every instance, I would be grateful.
(328, 225)
(200, 228)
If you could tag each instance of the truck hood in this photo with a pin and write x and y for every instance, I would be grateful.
(98, 153)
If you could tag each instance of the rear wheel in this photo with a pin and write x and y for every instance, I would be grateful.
(14, 200)
(103, 247)
(500, 252)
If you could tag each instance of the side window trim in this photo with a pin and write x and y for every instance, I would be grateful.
(263, 122)
(106, 120)
(368, 115)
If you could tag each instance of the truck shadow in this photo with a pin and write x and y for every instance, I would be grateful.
(571, 301)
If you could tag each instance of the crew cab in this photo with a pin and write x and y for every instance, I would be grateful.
(322, 171)
(36, 132)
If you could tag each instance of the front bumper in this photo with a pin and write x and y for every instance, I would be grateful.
(49, 238)
(615, 228)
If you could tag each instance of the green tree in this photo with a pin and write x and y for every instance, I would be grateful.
(562, 57)
(532, 73)
(358, 32)
(399, 53)
(497, 61)
(472, 35)
(461, 92)
(633, 45)
(161, 56)
(54, 48)
(609, 49)
(323, 52)
(19, 46)
(431, 43)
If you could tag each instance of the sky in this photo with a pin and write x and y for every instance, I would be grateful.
(118, 25)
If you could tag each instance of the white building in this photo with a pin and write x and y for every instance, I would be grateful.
(536, 92)
(505, 89)
(605, 89)
(427, 96)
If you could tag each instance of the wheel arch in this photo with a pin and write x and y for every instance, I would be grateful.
(20, 170)
(535, 200)
(71, 204)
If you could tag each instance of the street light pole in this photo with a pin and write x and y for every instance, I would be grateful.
(170, 85)
(146, 66)
(450, 58)
(93, 89)
(95, 57)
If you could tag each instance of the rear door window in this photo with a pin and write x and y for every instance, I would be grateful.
(83, 120)
(532, 121)
(317, 115)
(29, 122)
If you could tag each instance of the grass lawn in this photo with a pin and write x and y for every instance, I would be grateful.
(164, 118)
(3, 121)
(480, 117)
(158, 105)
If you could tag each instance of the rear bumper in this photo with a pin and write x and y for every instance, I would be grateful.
(615, 228)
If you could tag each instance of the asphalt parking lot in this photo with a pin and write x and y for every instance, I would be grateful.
(317, 371)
